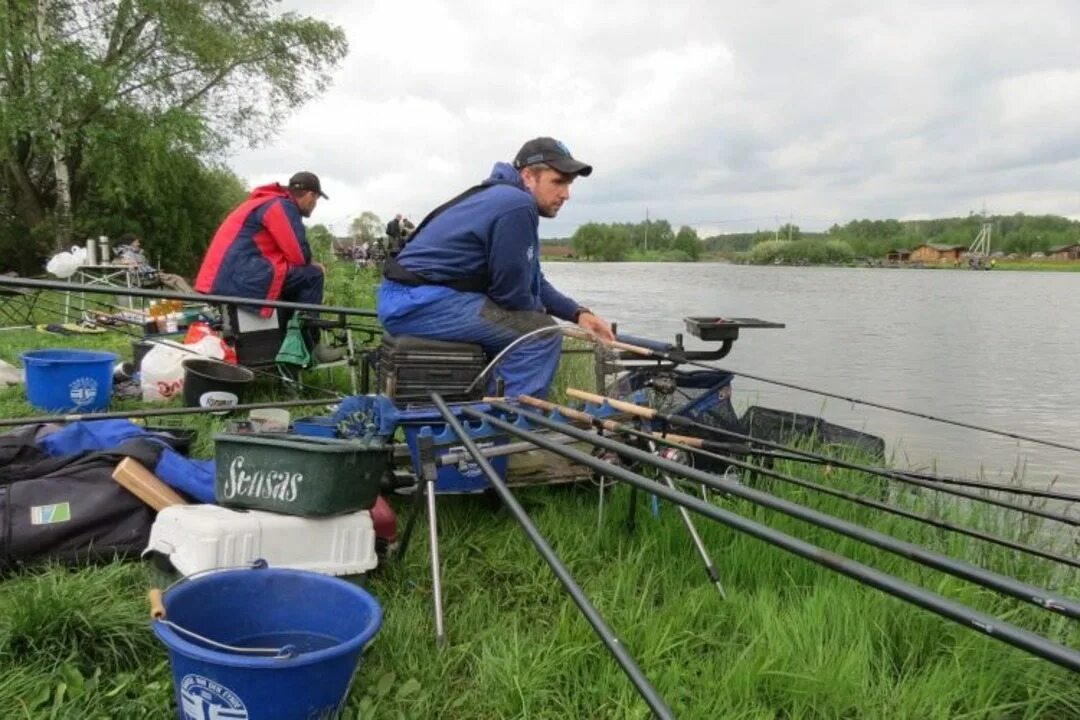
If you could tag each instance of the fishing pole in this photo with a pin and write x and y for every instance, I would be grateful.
(980, 576)
(179, 346)
(158, 412)
(678, 420)
(973, 619)
(789, 453)
(678, 359)
(685, 443)
(600, 627)
(889, 472)
(19, 282)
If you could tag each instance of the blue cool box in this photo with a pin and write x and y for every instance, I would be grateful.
(452, 479)
(315, 427)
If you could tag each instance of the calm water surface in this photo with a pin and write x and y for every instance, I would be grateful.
(998, 349)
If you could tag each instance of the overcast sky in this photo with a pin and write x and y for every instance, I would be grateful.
(726, 116)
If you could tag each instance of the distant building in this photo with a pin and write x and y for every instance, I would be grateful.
(1065, 252)
(897, 256)
(343, 246)
(936, 252)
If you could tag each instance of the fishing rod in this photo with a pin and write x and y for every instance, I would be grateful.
(980, 576)
(973, 619)
(789, 453)
(160, 412)
(678, 359)
(678, 420)
(600, 627)
(888, 472)
(686, 443)
(174, 295)
(55, 307)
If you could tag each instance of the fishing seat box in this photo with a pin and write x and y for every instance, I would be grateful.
(197, 538)
(465, 477)
(298, 474)
(256, 339)
(409, 368)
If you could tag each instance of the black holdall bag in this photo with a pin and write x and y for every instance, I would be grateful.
(70, 509)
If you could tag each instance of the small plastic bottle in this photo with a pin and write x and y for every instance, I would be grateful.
(172, 323)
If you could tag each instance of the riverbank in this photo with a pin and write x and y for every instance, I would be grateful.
(1023, 264)
(792, 640)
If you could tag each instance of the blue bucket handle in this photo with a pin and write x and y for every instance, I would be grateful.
(157, 612)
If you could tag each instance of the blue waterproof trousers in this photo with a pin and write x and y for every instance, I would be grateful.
(439, 313)
(303, 284)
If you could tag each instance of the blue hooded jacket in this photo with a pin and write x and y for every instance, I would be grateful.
(492, 233)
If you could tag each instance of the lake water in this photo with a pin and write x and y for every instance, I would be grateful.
(996, 349)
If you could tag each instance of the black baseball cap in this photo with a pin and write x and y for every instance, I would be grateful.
(550, 152)
(305, 180)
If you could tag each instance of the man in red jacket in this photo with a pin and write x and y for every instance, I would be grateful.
(261, 251)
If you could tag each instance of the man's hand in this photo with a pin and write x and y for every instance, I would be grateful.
(596, 325)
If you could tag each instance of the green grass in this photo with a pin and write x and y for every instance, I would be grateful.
(793, 640)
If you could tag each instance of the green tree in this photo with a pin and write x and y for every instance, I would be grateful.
(686, 240)
(80, 79)
(614, 244)
(587, 240)
(319, 235)
(171, 199)
(367, 227)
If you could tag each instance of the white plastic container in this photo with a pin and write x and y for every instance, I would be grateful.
(196, 538)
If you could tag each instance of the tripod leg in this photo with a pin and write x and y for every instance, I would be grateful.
(436, 577)
(631, 518)
(600, 506)
(710, 568)
(699, 545)
(406, 536)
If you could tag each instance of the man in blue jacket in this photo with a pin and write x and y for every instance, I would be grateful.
(471, 271)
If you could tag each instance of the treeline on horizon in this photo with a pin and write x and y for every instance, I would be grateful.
(872, 239)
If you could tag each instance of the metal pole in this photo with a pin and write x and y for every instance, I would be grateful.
(973, 619)
(436, 577)
(980, 576)
(429, 473)
(9, 422)
(599, 625)
(195, 354)
(699, 545)
(173, 295)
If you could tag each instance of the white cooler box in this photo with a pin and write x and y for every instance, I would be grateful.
(196, 538)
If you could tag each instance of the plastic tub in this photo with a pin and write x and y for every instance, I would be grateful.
(65, 380)
(298, 474)
(202, 376)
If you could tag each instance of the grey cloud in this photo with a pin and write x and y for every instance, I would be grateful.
(704, 111)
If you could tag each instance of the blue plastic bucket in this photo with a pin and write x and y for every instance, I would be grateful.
(313, 629)
(65, 380)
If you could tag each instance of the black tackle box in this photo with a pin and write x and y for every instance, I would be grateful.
(409, 368)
